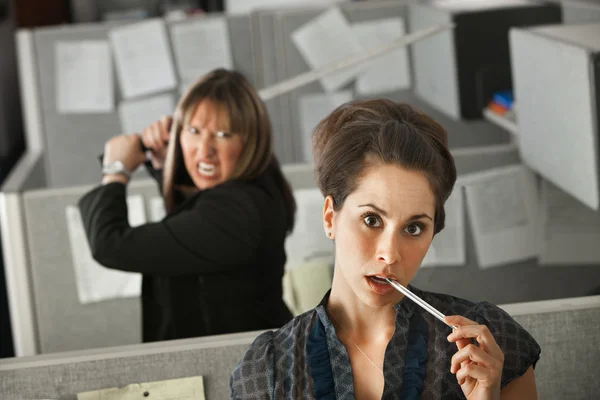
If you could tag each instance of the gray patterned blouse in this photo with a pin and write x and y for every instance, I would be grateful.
(276, 365)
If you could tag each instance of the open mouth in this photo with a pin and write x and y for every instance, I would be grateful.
(206, 169)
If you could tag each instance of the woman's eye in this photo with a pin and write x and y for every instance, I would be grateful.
(372, 221)
(413, 230)
(192, 130)
(222, 134)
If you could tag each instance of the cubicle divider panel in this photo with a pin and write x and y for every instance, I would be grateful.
(63, 322)
(62, 376)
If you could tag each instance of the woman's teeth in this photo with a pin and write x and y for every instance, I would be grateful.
(207, 169)
(379, 279)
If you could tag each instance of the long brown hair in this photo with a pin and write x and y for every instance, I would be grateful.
(363, 133)
(231, 92)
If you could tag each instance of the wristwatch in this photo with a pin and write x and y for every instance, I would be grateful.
(115, 167)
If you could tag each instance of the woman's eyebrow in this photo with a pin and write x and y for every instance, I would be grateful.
(384, 213)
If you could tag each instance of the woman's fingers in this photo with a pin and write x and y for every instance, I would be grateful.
(476, 372)
(467, 329)
(166, 122)
(473, 354)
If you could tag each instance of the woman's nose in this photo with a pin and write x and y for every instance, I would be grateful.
(388, 248)
(206, 144)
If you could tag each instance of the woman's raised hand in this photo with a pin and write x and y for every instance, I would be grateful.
(478, 368)
(156, 139)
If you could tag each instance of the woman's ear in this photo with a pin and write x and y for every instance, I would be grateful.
(329, 217)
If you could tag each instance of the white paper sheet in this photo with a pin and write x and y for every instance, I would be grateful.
(389, 72)
(313, 108)
(327, 38)
(308, 240)
(94, 282)
(200, 46)
(84, 79)
(502, 209)
(448, 247)
(135, 115)
(157, 209)
(172, 389)
(570, 231)
(143, 58)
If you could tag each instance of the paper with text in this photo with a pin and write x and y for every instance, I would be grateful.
(570, 230)
(389, 72)
(172, 389)
(448, 247)
(94, 282)
(157, 209)
(328, 38)
(200, 46)
(143, 58)
(313, 108)
(84, 77)
(308, 240)
(136, 115)
(501, 204)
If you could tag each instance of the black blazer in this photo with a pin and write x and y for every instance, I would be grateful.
(213, 266)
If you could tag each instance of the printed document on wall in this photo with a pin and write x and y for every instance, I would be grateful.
(313, 108)
(200, 46)
(325, 39)
(388, 72)
(84, 77)
(502, 204)
(94, 282)
(448, 247)
(173, 389)
(570, 230)
(143, 58)
(135, 115)
(308, 240)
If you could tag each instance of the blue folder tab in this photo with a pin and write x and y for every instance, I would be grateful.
(504, 99)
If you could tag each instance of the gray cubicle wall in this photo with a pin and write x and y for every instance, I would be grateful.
(63, 323)
(580, 11)
(72, 142)
(567, 330)
(289, 62)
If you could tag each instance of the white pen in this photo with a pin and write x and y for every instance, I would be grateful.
(419, 301)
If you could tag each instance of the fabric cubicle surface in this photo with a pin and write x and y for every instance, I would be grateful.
(568, 331)
(72, 141)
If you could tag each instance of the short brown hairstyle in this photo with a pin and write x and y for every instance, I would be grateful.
(360, 134)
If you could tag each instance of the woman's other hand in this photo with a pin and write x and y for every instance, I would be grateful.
(478, 368)
(124, 148)
(156, 139)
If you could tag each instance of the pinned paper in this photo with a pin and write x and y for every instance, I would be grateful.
(136, 115)
(84, 78)
(172, 389)
(325, 39)
(449, 247)
(501, 204)
(308, 240)
(94, 282)
(200, 46)
(389, 72)
(143, 58)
